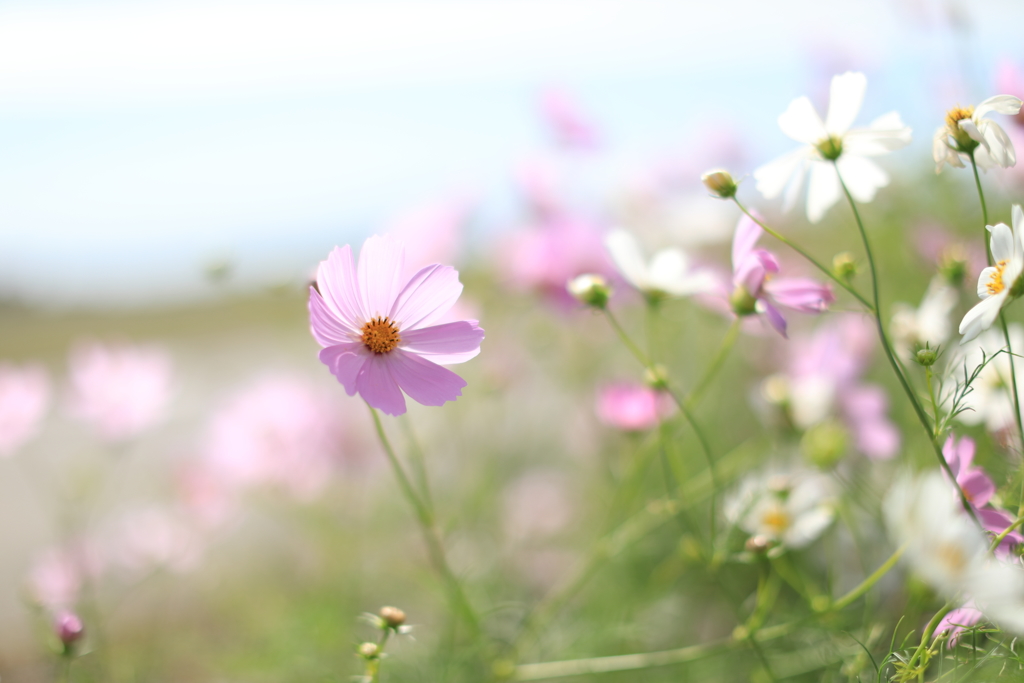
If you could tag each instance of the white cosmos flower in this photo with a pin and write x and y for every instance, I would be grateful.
(996, 283)
(669, 272)
(990, 401)
(998, 591)
(966, 130)
(832, 140)
(792, 507)
(927, 324)
(944, 546)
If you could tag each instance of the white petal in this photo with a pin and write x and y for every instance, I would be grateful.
(941, 151)
(980, 318)
(863, 177)
(971, 128)
(983, 279)
(667, 266)
(1018, 220)
(1001, 243)
(822, 191)
(845, 97)
(885, 134)
(773, 177)
(981, 157)
(998, 143)
(625, 253)
(1001, 104)
(801, 122)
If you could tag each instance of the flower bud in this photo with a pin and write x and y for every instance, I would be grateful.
(369, 650)
(926, 357)
(759, 544)
(720, 182)
(593, 290)
(656, 377)
(824, 444)
(844, 266)
(953, 264)
(743, 302)
(69, 629)
(392, 617)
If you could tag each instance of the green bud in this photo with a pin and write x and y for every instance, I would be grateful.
(926, 357)
(720, 182)
(656, 377)
(953, 264)
(831, 148)
(824, 444)
(743, 302)
(844, 266)
(592, 290)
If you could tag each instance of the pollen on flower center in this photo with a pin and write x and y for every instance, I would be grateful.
(776, 519)
(380, 335)
(995, 281)
(952, 557)
(957, 114)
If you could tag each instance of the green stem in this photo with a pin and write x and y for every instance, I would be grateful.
(869, 582)
(1006, 532)
(431, 536)
(981, 196)
(935, 406)
(814, 262)
(926, 635)
(887, 347)
(683, 408)
(716, 364)
(418, 462)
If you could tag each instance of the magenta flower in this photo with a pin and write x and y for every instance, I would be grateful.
(958, 620)
(24, 398)
(377, 331)
(757, 291)
(632, 407)
(976, 485)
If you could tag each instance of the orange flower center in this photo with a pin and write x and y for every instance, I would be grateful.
(957, 114)
(995, 281)
(380, 335)
(776, 519)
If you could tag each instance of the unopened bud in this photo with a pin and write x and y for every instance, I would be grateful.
(69, 629)
(831, 148)
(926, 357)
(824, 444)
(844, 266)
(758, 544)
(743, 302)
(656, 377)
(392, 617)
(369, 650)
(720, 182)
(593, 290)
(953, 264)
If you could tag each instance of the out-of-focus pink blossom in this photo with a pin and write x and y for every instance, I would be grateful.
(68, 627)
(56, 577)
(121, 390)
(956, 621)
(632, 407)
(866, 409)
(152, 538)
(977, 486)
(279, 431)
(432, 233)
(570, 126)
(756, 290)
(996, 522)
(24, 398)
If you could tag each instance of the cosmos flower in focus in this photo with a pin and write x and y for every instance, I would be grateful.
(377, 329)
(998, 284)
(967, 131)
(24, 398)
(830, 141)
(633, 407)
(669, 272)
(121, 390)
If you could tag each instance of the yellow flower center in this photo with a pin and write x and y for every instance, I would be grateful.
(776, 519)
(995, 281)
(380, 335)
(957, 114)
(952, 558)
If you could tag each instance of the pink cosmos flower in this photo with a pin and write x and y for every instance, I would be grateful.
(976, 485)
(122, 390)
(378, 333)
(755, 290)
(24, 398)
(632, 407)
(956, 621)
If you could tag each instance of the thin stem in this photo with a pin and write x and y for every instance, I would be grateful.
(418, 462)
(870, 581)
(1006, 532)
(813, 261)
(683, 408)
(716, 364)
(431, 536)
(926, 635)
(931, 394)
(887, 347)
(981, 196)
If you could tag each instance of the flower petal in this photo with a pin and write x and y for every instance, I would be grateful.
(800, 294)
(971, 128)
(336, 280)
(445, 344)
(377, 385)
(845, 98)
(1001, 244)
(773, 177)
(977, 485)
(626, 255)
(743, 241)
(424, 382)
(1001, 104)
(999, 144)
(801, 122)
(428, 295)
(379, 274)
(980, 318)
(774, 317)
(327, 328)
(822, 191)
(862, 176)
(345, 361)
(885, 134)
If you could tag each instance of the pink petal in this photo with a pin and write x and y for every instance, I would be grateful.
(379, 274)
(952, 454)
(750, 274)
(336, 279)
(445, 344)
(996, 521)
(865, 407)
(345, 361)
(801, 294)
(427, 296)
(327, 328)
(977, 486)
(746, 236)
(377, 385)
(774, 318)
(424, 382)
(965, 452)
(957, 620)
